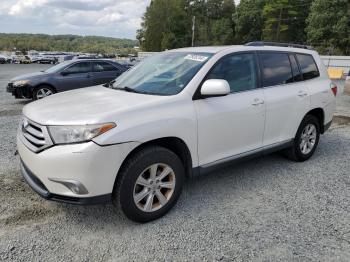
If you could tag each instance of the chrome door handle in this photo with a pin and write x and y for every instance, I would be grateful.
(302, 93)
(257, 102)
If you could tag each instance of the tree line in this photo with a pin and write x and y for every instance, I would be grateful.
(324, 24)
(66, 43)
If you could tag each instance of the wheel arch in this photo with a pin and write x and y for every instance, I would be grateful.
(320, 115)
(174, 144)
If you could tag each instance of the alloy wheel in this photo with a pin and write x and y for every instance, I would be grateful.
(154, 187)
(43, 92)
(308, 139)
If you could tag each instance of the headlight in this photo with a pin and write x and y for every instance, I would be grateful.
(20, 82)
(76, 134)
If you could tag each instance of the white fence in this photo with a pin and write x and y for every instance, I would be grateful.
(341, 62)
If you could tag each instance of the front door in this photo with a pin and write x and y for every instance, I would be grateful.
(232, 124)
(75, 76)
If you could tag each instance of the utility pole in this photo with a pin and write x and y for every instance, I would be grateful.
(279, 24)
(193, 27)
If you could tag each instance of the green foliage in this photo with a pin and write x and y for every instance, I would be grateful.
(73, 43)
(249, 20)
(328, 26)
(284, 20)
(168, 23)
(164, 26)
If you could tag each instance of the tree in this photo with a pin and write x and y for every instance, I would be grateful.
(285, 20)
(277, 14)
(223, 25)
(328, 26)
(165, 25)
(249, 21)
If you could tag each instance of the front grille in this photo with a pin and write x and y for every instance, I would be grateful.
(35, 136)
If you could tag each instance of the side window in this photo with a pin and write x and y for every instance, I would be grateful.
(238, 70)
(103, 66)
(82, 67)
(307, 66)
(295, 69)
(276, 69)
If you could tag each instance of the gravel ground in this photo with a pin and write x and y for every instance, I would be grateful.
(268, 209)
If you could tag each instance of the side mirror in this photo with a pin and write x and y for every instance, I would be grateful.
(215, 87)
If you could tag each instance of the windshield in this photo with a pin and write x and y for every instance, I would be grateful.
(57, 67)
(162, 74)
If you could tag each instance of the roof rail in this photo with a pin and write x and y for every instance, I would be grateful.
(262, 43)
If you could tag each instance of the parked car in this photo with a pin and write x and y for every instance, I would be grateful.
(2, 59)
(64, 76)
(44, 60)
(26, 60)
(175, 114)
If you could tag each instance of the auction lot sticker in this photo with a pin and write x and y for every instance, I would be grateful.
(198, 58)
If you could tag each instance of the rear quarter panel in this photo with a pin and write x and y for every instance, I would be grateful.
(320, 91)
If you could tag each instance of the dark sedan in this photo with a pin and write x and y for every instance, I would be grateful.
(65, 76)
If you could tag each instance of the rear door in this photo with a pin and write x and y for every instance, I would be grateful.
(286, 95)
(75, 76)
(104, 72)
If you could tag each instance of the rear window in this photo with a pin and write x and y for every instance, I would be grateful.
(103, 66)
(276, 69)
(308, 66)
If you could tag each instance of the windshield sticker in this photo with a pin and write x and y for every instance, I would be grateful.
(199, 58)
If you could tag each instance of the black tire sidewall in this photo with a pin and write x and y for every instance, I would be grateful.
(149, 157)
(309, 119)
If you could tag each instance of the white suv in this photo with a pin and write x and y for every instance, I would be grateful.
(175, 114)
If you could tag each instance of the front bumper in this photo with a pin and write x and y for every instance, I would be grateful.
(20, 91)
(94, 166)
(40, 188)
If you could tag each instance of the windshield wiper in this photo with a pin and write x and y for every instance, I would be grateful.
(128, 89)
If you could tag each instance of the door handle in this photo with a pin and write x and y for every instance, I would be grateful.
(302, 93)
(257, 102)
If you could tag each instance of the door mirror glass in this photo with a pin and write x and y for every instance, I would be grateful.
(215, 87)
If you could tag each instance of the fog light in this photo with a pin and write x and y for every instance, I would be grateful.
(75, 186)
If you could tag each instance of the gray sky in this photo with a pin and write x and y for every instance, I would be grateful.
(115, 18)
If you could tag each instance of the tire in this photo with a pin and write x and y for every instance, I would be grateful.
(298, 152)
(128, 192)
(42, 91)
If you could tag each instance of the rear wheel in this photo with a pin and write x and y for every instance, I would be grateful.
(306, 139)
(42, 91)
(149, 184)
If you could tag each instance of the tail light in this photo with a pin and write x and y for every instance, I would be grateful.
(334, 89)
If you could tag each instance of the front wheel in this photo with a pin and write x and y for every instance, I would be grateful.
(149, 184)
(42, 91)
(306, 139)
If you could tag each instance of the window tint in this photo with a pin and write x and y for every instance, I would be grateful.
(307, 66)
(295, 69)
(238, 70)
(103, 66)
(82, 67)
(276, 69)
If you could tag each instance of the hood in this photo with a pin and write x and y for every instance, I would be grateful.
(90, 105)
(29, 76)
